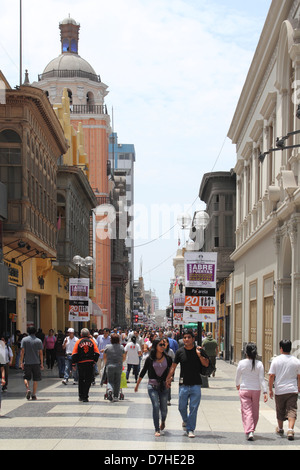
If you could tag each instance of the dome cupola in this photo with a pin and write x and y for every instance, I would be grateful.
(71, 71)
(69, 35)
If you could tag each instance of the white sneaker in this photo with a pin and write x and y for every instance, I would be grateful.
(191, 434)
(250, 436)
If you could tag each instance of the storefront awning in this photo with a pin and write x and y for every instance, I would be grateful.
(96, 310)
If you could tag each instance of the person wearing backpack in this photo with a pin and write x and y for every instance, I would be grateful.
(210, 346)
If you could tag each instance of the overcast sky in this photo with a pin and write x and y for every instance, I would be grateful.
(175, 70)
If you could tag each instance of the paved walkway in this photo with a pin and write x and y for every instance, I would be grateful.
(57, 421)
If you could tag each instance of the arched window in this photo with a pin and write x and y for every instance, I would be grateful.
(10, 136)
(70, 95)
(90, 100)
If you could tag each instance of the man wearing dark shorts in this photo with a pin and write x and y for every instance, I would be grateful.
(285, 373)
(31, 361)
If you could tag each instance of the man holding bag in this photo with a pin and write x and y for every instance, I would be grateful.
(192, 362)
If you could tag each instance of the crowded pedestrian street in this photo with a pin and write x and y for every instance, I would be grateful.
(58, 421)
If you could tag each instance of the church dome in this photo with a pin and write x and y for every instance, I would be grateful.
(69, 62)
(69, 21)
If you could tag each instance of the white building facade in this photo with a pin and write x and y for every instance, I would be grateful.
(266, 278)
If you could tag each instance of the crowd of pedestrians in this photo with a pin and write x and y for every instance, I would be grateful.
(87, 354)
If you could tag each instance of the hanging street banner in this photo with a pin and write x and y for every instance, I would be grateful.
(200, 287)
(178, 308)
(79, 300)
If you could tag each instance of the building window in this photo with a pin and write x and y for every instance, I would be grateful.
(10, 136)
(90, 100)
(11, 163)
(228, 202)
(216, 232)
(216, 203)
(65, 46)
(70, 95)
(74, 47)
(229, 231)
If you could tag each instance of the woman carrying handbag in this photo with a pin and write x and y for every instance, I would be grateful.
(157, 365)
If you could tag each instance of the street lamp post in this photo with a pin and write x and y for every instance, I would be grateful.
(200, 222)
(80, 262)
(197, 227)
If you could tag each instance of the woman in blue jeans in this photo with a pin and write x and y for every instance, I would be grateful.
(157, 365)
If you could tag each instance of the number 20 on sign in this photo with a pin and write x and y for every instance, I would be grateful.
(192, 301)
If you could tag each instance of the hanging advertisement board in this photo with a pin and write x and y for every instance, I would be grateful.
(79, 300)
(200, 283)
(178, 308)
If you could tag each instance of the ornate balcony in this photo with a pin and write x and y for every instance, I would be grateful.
(70, 74)
(88, 109)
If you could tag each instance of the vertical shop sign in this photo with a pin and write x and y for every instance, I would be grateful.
(178, 308)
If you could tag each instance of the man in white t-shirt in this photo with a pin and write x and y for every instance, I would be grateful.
(68, 346)
(285, 372)
(134, 353)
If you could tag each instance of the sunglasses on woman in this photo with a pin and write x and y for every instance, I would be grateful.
(162, 345)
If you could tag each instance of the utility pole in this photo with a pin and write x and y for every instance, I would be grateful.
(21, 65)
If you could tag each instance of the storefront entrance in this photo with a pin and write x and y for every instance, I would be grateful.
(33, 310)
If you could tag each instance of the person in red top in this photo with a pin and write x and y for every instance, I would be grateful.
(85, 354)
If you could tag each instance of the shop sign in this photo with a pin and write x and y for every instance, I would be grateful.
(15, 273)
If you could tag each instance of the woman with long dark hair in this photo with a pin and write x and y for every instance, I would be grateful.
(250, 380)
(157, 365)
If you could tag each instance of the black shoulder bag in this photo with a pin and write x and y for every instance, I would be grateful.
(206, 371)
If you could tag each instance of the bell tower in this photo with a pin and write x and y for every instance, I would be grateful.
(69, 36)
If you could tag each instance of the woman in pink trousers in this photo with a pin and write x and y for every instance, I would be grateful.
(250, 380)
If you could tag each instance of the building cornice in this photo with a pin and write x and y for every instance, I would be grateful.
(39, 100)
(82, 180)
(283, 213)
(260, 66)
